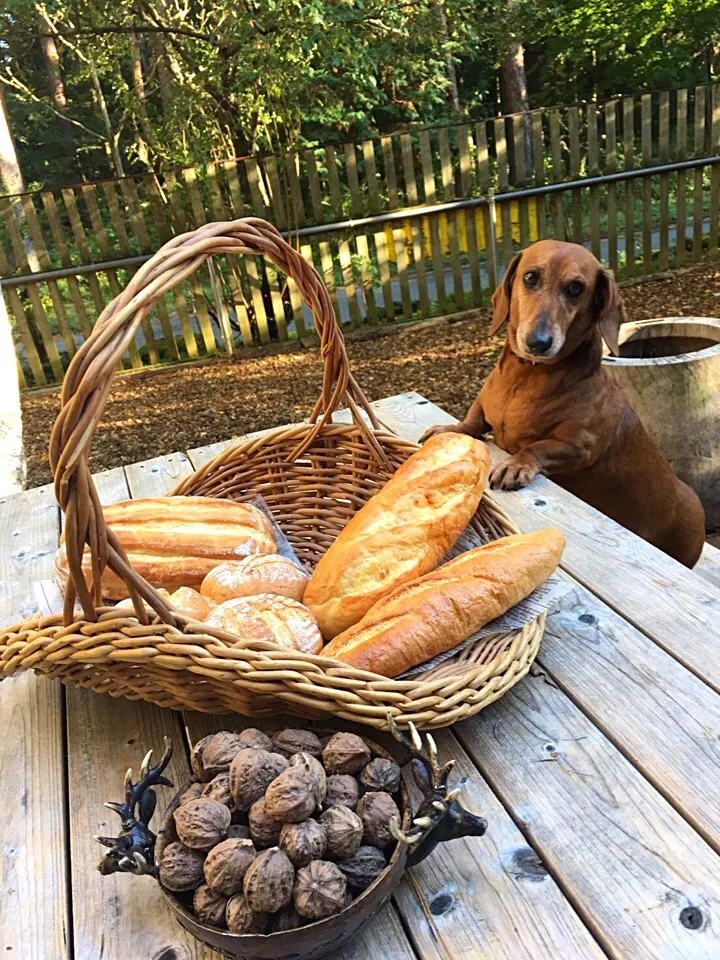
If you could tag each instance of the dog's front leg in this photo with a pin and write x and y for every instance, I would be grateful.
(544, 456)
(474, 424)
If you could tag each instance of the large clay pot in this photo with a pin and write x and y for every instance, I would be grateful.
(669, 370)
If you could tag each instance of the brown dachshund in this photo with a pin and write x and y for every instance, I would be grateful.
(549, 403)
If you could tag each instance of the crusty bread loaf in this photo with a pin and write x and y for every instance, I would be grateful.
(278, 620)
(403, 532)
(262, 573)
(190, 602)
(175, 541)
(434, 613)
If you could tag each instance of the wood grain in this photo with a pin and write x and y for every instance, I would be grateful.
(35, 922)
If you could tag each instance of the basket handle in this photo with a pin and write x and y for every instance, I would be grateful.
(88, 379)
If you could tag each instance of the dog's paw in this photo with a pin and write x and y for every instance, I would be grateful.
(513, 473)
(441, 428)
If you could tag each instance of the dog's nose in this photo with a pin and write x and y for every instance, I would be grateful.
(539, 342)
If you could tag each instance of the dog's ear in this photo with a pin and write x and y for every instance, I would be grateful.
(501, 297)
(608, 309)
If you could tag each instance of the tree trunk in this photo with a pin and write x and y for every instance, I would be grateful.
(513, 94)
(102, 106)
(12, 454)
(56, 88)
(453, 92)
(139, 90)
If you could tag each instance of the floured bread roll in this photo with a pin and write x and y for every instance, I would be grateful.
(269, 573)
(278, 620)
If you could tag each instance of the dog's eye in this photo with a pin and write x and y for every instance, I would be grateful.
(531, 278)
(575, 289)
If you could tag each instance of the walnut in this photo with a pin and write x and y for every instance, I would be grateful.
(213, 754)
(238, 831)
(292, 796)
(381, 774)
(376, 811)
(312, 766)
(227, 864)
(209, 906)
(251, 773)
(269, 882)
(320, 890)
(342, 791)
(286, 919)
(303, 842)
(344, 832)
(241, 919)
(202, 823)
(181, 868)
(345, 753)
(288, 742)
(264, 830)
(192, 792)
(361, 870)
(219, 789)
(252, 737)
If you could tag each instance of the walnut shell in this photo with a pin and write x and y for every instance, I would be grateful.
(381, 774)
(345, 753)
(361, 870)
(320, 890)
(269, 882)
(342, 791)
(286, 919)
(214, 754)
(238, 831)
(202, 823)
(303, 842)
(315, 769)
(251, 773)
(264, 830)
(288, 742)
(209, 906)
(252, 737)
(241, 919)
(227, 864)
(344, 832)
(292, 796)
(193, 791)
(181, 868)
(219, 789)
(376, 810)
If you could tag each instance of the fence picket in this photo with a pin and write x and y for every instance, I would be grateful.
(593, 171)
(448, 182)
(646, 140)
(483, 177)
(426, 162)
(538, 147)
(663, 157)
(464, 136)
(368, 151)
(78, 232)
(680, 202)
(699, 132)
(411, 195)
(628, 104)
(501, 158)
(557, 203)
(520, 125)
(715, 173)
(610, 167)
(573, 116)
(51, 212)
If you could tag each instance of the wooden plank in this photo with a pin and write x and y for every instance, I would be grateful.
(160, 208)
(117, 218)
(664, 157)
(520, 129)
(699, 138)
(163, 231)
(402, 272)
(501, 159)
(483, 174)
(371, 177)
(538, 146)
(385, 276)
(646, 140)
(58, 235)
(428, 172)
(573, 118)
(680, 202)
(628, 104)
(157, 476)
(128, 188)
(189, 175)
(316, 197)
(18, 311)
(557, 201)
(411, 195)
(708, 566)
(296, 204)
(356, 204)
(467, 217)
(344, 253)
(389, 171)
(276, 193)
(610, 167)
(679, 610)
(593, 170)
(334, 182)
(714, 174)
(36, 923)
(255, 266)
(176, 198)
(448, 182)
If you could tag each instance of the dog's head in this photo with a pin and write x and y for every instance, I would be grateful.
(553, 294)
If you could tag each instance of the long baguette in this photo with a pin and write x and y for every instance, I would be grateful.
(404, 531)
(432, 614)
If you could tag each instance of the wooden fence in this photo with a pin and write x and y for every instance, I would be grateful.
(401, 227)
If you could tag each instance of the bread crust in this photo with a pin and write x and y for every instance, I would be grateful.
(271, 618)
(260, 573)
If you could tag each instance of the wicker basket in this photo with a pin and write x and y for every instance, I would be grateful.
(313, 476)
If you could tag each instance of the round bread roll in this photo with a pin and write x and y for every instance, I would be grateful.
(278, 620)
(127, 602)
(269, 573)
(190, 602)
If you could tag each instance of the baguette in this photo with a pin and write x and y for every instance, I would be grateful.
(434, 613)
(403, 532)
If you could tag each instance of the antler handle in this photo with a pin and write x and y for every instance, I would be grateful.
(440, 816)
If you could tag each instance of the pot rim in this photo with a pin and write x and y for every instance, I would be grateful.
(632, 326)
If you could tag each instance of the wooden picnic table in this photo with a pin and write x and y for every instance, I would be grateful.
(599, 774)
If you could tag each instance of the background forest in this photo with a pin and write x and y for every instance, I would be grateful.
(93, 88)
